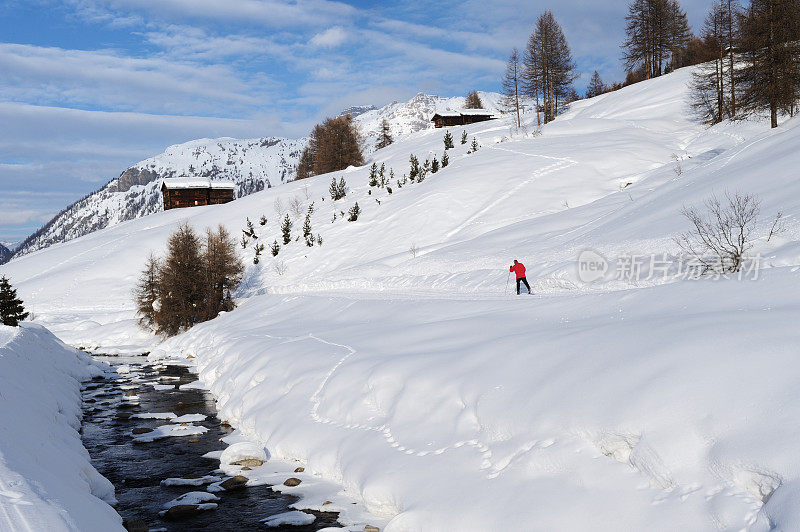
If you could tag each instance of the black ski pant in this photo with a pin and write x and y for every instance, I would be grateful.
(523, 280)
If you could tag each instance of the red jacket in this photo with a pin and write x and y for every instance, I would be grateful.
(518, 269)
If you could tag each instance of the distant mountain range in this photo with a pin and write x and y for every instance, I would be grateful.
(253, 164)
(5, 253)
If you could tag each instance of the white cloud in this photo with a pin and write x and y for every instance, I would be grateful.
(271, 13)
(330, 38)
(108, 79)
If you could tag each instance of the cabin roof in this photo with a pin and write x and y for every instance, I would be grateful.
(195, 182)
(476, 112)
(463, 112)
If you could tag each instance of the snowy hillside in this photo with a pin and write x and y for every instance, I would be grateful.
(395, 360)
(254, 164)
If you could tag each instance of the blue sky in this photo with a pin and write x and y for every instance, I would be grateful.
(89, 87)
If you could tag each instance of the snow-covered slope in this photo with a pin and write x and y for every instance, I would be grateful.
(443, 402)
(46, 480)
(254, 164)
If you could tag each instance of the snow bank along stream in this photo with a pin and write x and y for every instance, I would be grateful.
(155, 435)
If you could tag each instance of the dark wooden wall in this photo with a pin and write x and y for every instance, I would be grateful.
(177, 198)
(449, 121)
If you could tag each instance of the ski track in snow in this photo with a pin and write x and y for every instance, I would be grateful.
(384, 429)
(13, 501)
(561, 163)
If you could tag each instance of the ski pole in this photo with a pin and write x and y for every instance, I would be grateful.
(508, 278)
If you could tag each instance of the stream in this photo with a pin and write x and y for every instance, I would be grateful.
(137, 468)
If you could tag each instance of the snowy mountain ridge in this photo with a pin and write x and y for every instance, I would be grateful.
(253, 164)
(5, 253)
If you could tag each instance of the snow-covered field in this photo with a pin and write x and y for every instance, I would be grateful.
(46, 480)
(441, 401)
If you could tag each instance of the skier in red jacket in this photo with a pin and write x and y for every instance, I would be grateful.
(519, 269)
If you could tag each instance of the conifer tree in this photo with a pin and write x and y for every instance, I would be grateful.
(474, 146)
(12, 310)
(305, 166)
(263, 220)
(511, 85)
(549, 69)
(770, 76)
(309, 238)
(434, 165)
(710, 97)
(382, 175)
(334, 189)
(275, 248)
(448, 140)
(250, 230)
(385, 136)
(657, 33)
(414, 171)
(464, 137)
(354, 211)
(222, 270)
(473, 101)
(146, 293)
(181, 282)
(426, 168)
(192, 284)
(334, 145)
(259, 249)
(341, 188)
(373, 175)
(445, 159)
(596, 86)
(286, 230)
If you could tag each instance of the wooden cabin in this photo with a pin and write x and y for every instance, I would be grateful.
(460, 118)
(182, 192)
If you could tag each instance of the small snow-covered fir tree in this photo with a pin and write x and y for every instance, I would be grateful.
(382, 175)
(448, 140)
(463, 137)
(286, 230)
(11, 309)
(263, 220)
(250, 230)
(445, 159)
(307, 231)
(275, 248)
(474, 146)
(334, 189)
(373, 175)
(434, 165)
(354, 211)
(384, 136)
(414, 171)
(341, 188)
(259, 250)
